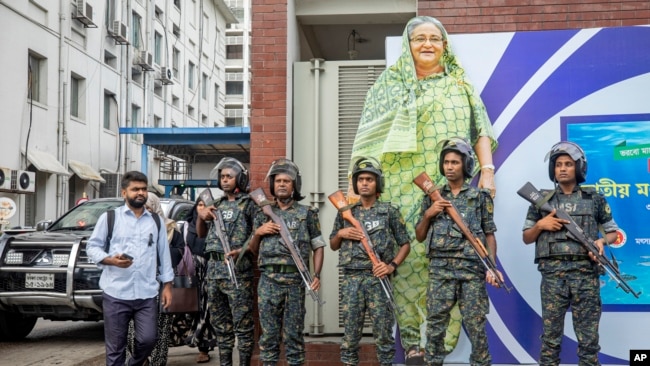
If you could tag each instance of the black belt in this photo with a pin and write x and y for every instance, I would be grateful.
(215, 256)
(569, 257)
(280, 268)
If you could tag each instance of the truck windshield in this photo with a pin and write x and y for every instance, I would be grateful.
(84, 216)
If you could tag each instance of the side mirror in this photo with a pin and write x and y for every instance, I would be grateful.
(43, 225)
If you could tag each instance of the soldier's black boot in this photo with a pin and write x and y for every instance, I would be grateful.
(244, 359)
(225, 359)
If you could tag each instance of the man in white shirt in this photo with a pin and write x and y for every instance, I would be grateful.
(133, 261)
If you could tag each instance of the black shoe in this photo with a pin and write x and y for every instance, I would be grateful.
(244, 360)
(414, 357)
(225, 359)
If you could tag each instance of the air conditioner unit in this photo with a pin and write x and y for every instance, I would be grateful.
(23, 181)
(165, 76)
(84, 14)
(158, 155)
(5, 179)
(119, 32)
(143, 59)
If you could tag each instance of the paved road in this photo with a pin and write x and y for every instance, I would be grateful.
(56, 343)
(74, 344)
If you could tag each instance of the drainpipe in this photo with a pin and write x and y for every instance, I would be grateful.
(127, 93)
(199, 68)
(147, 100)
(317, 201)
(64, 10)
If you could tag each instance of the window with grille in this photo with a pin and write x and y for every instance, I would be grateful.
(135, 31)
(76, 97)
(234, 87)
(190, 75)
(234, 52)
(157, 42)
(36, 74)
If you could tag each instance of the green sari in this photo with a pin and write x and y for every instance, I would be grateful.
(403, 121)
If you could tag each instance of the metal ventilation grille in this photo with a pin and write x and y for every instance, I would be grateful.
(354, 82)
(112, 186)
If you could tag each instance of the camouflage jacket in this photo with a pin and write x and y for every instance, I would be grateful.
(444, 238)
(586, 207)
(386, 229)
(304, 226)
(238, 216)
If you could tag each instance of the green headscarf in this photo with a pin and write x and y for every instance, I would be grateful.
(389, 119)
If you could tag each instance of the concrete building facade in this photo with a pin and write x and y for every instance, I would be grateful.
(81, 70)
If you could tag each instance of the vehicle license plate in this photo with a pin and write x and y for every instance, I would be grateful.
(39, 280)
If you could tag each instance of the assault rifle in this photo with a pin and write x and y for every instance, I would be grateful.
(426, 184)
(575, 232)
(260, 199)
(220, 229)
(338, 200)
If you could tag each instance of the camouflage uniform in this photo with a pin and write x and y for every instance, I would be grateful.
(569, 277)
(281, 293)
(360, 290)
(231, 309)
(456, 273)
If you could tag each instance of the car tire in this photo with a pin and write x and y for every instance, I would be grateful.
(14, 326)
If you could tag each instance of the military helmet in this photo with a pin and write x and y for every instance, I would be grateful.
(288, 167)
(461, 146)
(242, 173)
(368, 165)
(575, 152)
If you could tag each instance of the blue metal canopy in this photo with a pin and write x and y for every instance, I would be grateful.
(193, 145)
(197, 144)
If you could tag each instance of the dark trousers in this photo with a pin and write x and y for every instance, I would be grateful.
(117, 314)
(581, 292)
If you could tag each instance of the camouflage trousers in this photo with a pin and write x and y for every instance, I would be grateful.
(231, 314)
(448, 285)
(281, 303)
(582, 293)
(361, 292)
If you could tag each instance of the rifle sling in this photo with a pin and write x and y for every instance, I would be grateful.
(345, 208)
(547, 198)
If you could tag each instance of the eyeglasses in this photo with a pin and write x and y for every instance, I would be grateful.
(422, 40)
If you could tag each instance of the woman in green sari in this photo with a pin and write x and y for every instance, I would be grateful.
(423, 99)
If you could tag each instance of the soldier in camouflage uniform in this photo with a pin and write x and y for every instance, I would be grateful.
(361, 289)
(569, 276)
(280, 293)
(456, 273)
(231, 308)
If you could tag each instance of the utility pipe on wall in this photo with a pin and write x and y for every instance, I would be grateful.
(316, 200)
(64, 11)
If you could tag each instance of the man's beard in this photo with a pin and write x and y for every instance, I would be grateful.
(133, 202)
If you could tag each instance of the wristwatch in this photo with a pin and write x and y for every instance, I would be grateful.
(317, 275)
(393, 264)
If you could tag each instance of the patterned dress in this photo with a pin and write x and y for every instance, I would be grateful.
(202, 334)
(403, 121)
